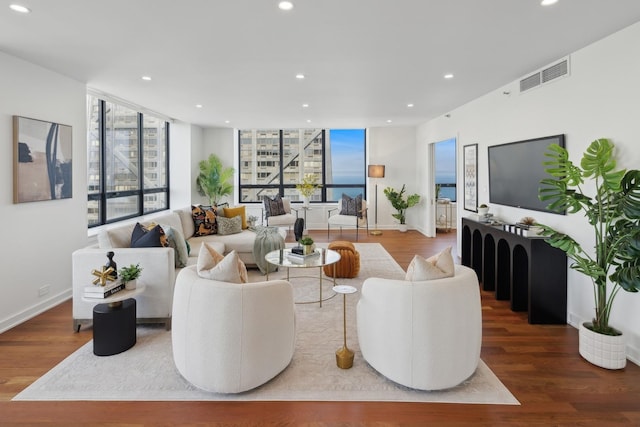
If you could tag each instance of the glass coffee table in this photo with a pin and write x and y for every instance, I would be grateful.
(284, 258)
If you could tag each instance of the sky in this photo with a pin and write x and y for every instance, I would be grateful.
(347, 154)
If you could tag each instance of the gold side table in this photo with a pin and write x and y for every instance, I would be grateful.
(344, 356)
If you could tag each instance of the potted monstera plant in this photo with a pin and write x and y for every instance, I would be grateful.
(401, 204)
(611, 204)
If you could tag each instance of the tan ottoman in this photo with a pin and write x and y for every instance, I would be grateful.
(349, 264)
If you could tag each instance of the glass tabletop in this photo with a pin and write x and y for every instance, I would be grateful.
(284, 258)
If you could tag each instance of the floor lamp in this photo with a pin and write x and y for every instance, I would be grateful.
(376, 171)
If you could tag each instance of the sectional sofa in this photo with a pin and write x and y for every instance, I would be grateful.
(158, 263)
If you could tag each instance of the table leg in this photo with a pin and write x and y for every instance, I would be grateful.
(320, 286)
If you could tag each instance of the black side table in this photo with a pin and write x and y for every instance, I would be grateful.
(114, 328)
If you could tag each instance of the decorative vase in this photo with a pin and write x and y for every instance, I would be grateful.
(483, 211)
(308, 249)
(305, 201)
(131, 284)
(402, 228)
(605, 351)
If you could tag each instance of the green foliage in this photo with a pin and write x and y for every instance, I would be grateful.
(213, 181)
(399, 203)
(131, 272)
(308, 185)
(613, 211)
(306, 240)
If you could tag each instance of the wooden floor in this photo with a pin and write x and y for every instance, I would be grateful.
(539, 364)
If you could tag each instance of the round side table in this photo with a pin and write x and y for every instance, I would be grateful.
(344, 356)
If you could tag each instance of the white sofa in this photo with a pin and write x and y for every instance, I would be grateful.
(158, 264)
(424, 335)
(229, 337)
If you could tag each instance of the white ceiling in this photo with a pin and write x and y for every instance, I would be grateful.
(364, 60)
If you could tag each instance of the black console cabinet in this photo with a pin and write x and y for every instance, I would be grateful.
(525, 270)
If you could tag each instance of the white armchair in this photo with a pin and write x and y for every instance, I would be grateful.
(229, 337)
(336, 219)
(285, 220)
(424, 335)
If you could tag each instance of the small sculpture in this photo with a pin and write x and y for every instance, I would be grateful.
(112, 264)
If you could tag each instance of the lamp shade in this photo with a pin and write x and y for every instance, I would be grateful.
(375, 171)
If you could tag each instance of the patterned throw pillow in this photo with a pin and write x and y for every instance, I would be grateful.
(204, 220)
(148, 237)
(229, 225)
(351, 206)
(273, 207)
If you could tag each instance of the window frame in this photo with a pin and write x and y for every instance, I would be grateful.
(103, 196)
(281, 187)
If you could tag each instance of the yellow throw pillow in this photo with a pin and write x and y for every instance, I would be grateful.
(238, 210)
(214, 266)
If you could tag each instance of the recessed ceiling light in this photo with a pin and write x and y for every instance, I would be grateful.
(448, 76)
(389, 121)
(308, 121)
(227, 121)
(409, 105)
(285, 5)
(305, 105)
(19, 8)
(198, 105)
(300, 76)
(146, 78)
(548, 2)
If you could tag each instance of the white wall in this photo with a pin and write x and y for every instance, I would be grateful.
(395, 148)
(598, 99)
(39, 237)
(185, 147)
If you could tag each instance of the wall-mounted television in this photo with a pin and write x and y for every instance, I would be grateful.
(515, 172)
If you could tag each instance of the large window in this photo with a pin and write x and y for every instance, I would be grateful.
(127, 162)
(273, 161)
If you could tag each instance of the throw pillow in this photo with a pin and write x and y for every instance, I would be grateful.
(273, 206)
(229, 225)
(214, 266)
(351, 205)
(152, 237)
(178, 243)
(238, 210)
(438, 266)
(204, 220)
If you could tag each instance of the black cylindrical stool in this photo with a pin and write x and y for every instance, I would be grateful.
(114, 327)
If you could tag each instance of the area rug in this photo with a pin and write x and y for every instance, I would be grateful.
(146, 372)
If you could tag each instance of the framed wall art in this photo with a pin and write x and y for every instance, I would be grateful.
(42, 160)
(471, 177)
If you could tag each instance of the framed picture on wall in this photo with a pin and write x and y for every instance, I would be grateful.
(42, 160)
(471, 177)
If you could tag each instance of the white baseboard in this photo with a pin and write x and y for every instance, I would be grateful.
(23, 316)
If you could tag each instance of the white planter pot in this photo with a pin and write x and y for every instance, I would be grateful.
(402, 228)
(605, 351)
(131, 284)
(305, 201)
(483, 211)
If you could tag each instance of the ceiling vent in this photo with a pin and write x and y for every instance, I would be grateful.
(545, 76)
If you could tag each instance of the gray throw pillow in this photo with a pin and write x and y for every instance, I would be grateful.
(351, 206)
(273, 207)
(229, 225)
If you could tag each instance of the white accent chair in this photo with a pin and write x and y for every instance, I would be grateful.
(229, 337)
(336, 219)
(424, 335)
(285, 220)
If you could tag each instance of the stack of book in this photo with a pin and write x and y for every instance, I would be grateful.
(300, 258)
(102, 292)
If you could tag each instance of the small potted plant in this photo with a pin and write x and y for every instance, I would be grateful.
(129, 275)
(307, 245)
(483, 210)
(401, 204)
(251, 220)
(307, 187)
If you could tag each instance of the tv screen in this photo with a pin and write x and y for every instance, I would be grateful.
(515, 172)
